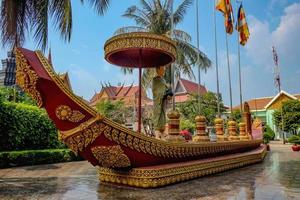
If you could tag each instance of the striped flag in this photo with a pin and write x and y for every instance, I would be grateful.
(225, 7)
(242, 26)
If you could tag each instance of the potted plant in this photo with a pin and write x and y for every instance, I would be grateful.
(295, 140)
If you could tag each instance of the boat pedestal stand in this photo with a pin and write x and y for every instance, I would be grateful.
(167, 174)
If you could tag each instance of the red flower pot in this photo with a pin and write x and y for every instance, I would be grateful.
(296, 147)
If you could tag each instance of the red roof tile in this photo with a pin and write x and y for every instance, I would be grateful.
(192, 87)
(260, 103)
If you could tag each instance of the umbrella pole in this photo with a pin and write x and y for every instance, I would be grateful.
(140, 100)
(140, 94)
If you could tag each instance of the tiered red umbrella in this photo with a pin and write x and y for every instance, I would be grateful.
(140, 50)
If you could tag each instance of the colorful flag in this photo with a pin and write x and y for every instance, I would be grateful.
(242, 26)
(225, 7)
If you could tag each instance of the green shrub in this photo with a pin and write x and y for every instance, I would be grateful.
(267, 137)
(295, 139)
(186, 124)
(26, 127)
(33, 157)
(270, 132)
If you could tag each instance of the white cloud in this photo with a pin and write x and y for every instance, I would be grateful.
(283, 38)
(259, 46)
(286, 36)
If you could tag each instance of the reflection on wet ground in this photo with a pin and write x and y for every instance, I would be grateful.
(278, 177)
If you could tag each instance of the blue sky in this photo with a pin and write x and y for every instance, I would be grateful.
(271, 22)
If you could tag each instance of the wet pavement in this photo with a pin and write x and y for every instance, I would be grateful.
(278, 177)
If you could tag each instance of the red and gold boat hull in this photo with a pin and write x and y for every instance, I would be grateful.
(101, 141)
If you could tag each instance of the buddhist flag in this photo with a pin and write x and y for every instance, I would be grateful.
(242, 26)
(225, 7)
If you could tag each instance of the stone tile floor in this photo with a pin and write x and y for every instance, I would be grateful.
(278, 177)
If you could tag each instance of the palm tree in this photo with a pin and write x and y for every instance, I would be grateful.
(155, 16)
(20, 17)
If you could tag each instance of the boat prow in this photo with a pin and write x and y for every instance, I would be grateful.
(104, 142)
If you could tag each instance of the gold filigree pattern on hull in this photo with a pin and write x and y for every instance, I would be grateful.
(161, 176)
(26, 78)
(64, 112)
(58, 81)
(88, 133)
(111, 156)
(141, 143)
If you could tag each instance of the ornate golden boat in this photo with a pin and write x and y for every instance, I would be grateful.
(124, 156)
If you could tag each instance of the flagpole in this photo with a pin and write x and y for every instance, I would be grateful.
(217, 63)
(172, 66)
(229, 73)
(198, 58)
(239, 61)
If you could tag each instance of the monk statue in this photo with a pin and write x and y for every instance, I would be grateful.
(161, 92)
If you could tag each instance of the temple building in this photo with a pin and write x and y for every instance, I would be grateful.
(65, 78)
(264, 107)
(185, 88)
(127, 94)
(8, 71)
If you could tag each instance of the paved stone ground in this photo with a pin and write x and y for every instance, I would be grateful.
(278, 177)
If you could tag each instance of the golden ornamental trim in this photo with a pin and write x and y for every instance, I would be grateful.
(58, 81)
(64, 112)
(27, 78)
(140, 39)
(157, 177)
(88, 133)
(141, 143)
(111, 156)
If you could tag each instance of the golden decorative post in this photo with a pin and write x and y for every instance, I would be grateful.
(243, 134)
(219, 127)
(232, 130)
(174, 129)
(247, 118)
(201, 135)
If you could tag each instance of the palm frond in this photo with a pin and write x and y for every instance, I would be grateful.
(168, 5)
(126, 70)
(181, 11)
(40, 22)
(99, 5)
(192, 53)
(14, 22)
(182, 35)
(61, 11)
(157, 4)
(138, 15)
(146, 6)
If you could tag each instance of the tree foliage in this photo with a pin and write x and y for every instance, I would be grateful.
(208, 107)
(291, 116)
(155, 16)
(236, 116)
(114, 110)
(13, 94)
(22, 18)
